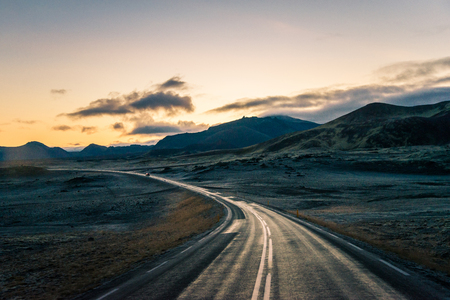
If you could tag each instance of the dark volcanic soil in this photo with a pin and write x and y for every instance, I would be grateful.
(63, 232)
(397, 199)
(69, 200)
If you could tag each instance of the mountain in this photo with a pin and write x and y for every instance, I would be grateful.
(376, 125)
(236, 134)
(36, 150)
(94, 150)
(31, 150)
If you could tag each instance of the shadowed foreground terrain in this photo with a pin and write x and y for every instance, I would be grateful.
(65, 232)
(396, 199)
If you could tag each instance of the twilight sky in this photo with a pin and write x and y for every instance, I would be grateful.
(119, 72)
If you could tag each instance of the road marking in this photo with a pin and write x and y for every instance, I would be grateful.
(158, 266)
(186, 249)
(270, 254)
(267, 289)
(264, 222)
(107, 294)
(393, 267)
(261, 264)
(355, 246)
(268, 231)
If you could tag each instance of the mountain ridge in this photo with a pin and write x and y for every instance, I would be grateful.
(235, 134)
(376, 125)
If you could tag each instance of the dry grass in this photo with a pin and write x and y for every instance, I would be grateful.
(58, 266)
(419, 248)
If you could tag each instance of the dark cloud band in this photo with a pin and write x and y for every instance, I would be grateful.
(166, 101)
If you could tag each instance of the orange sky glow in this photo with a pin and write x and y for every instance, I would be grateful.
(116, 73)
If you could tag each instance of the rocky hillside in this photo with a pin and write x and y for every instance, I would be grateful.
(376, 125)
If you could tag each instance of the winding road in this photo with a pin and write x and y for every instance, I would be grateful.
(260, 253)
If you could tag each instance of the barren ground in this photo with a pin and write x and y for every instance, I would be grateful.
(394, 199)
(62, 233)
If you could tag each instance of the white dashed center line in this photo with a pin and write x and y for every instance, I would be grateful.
(107, 294)
(393, 267)
(157, 267)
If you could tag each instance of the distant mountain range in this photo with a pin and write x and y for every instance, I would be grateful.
(36, 150)
(376, 125)
(236, 134)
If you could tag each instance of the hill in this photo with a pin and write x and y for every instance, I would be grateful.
(31, 150)
(376, 125)
(94, 150)
(236, 134)
(36, 150)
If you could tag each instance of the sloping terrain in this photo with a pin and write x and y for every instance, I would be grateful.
(236, 134)
(376, 125)
(31, 150)
(36, 150)
(103, 151)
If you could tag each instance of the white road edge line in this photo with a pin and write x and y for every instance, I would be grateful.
(393, 267)
(261, 264)
(157, 266)
(354, 246)
(267, 288)
(107, 294)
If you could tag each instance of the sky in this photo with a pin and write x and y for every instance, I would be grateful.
(74, 73)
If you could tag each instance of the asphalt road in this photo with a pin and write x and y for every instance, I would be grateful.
(259, 253)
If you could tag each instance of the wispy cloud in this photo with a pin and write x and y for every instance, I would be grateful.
(62, 128)
(167, 102)
(28, 122)
(158, 128)
(58, 91)
(89, 129)
(412, 71)
(409, 83)
(173, 83)
(155, 129)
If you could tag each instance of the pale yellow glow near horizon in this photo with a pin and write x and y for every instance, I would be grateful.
(224, 52)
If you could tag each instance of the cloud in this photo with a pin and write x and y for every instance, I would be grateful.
(167, 102)
(158, 128)
(313, 99)
(413, 71)
(155, 129)
(118, 126)
(422, 96)
(101, 107)
(29, 122)
(62, 128)
(190, 126)
(173, 83)
(89, 129)
(58, 91)
(408, 83)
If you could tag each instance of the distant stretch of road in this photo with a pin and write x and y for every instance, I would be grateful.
(259, 253)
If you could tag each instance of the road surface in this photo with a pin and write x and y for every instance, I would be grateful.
(259, 253)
